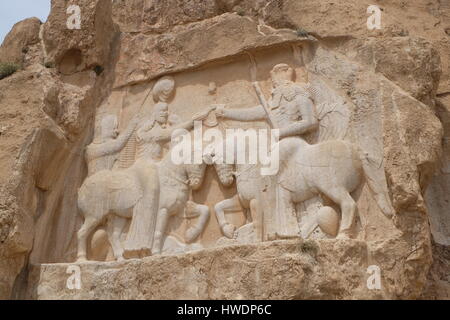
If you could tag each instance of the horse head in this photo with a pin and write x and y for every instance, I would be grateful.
(196, 175)
(224, 171)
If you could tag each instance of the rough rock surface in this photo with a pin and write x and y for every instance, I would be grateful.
(17, 43)
(75, 50)
(396, 80)
(291, 270)
(46, 117)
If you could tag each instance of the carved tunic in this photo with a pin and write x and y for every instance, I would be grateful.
(287, 105)
(150, 144)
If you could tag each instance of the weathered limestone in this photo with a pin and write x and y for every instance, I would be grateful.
(291, 270)
(77, 50)
(178, 50)
(17, 44)
(46, 121)
(88, 172)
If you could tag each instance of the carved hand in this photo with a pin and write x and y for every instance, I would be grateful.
(220, 111)
(203, 115)
(200, 116)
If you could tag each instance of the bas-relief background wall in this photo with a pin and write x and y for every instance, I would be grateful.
(224, 82)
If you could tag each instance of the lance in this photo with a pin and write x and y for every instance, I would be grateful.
(259, 92)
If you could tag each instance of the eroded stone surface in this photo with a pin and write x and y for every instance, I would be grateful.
(301, 270)
(90, 104)
(16, 45)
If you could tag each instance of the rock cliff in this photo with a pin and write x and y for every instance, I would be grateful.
(394, 84)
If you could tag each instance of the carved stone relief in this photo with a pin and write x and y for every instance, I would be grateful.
(150, 205)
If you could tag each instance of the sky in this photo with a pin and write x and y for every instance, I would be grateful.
(13, 11)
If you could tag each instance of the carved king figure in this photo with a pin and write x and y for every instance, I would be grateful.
(333, 168)
(292, 111)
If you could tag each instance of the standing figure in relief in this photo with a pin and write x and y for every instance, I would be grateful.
(152, 135)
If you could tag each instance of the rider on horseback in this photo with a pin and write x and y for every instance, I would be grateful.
(292, 111)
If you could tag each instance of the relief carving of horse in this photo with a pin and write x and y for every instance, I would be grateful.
(112, 195)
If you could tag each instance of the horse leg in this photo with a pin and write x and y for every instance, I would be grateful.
(90, 223)
(161, 226)
(348, 209)
(257, 218)
(194, 232)
(230, 204)
(115, 228)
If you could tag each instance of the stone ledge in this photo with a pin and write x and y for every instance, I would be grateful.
(295, 269)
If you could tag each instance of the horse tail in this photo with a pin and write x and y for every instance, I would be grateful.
(376, 179)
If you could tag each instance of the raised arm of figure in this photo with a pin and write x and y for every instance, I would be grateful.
(123, 138)
(249, 114)
(165, 135)
(112, 146)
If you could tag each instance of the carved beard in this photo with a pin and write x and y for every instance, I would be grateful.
(285, 89)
